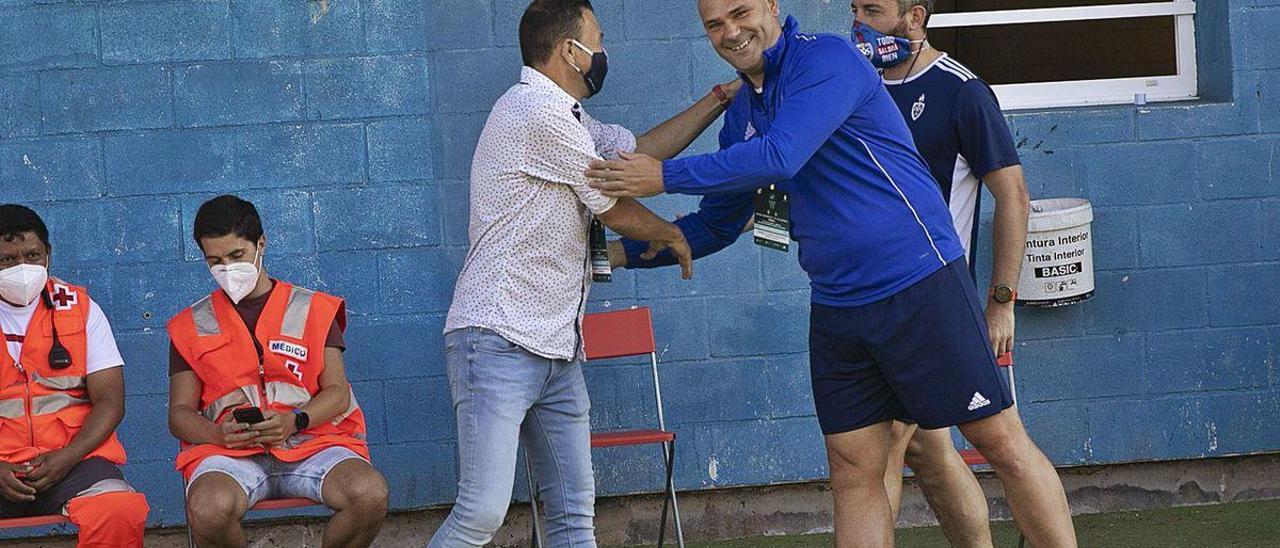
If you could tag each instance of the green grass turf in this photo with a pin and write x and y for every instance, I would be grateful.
(1244, 524)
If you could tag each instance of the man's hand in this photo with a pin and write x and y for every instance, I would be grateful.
(679, 248)
(1000, 324)
(49, 468)
(275, 429)
(235, 435)
(11, 487)
(632, 176)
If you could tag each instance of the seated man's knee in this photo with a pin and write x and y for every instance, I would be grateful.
(364, 492)
(212, 506)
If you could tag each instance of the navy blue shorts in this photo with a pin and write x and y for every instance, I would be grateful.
(921, 356)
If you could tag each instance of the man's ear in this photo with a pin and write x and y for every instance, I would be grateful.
(918, 17)
(566, 51)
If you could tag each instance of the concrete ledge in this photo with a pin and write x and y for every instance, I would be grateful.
(805, 507)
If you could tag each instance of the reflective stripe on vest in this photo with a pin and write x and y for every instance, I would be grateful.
(295, 441)
(205, 318)
(295, 315)
(284, 393)
(245, 395)
(13, 409)
(59, 383)
(52, 403)
(109, 485)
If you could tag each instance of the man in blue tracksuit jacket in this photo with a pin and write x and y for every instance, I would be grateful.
(896, 329)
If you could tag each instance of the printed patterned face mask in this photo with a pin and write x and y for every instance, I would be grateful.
(883, 50)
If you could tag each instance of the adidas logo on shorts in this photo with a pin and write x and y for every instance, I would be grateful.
(978, 402)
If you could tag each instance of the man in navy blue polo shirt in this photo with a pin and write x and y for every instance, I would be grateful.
(815, 145)
(962, 135)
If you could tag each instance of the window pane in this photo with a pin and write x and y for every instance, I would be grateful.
(1062, 51)
(955, 6)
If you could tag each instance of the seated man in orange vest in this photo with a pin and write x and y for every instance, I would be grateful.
(259, 397)
(61, 396)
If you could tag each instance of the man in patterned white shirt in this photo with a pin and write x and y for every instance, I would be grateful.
(513, 344)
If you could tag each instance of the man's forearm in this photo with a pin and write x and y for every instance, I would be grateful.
(634, 221)
(1010, 224)
(103, 419)
(673, 136)
(187, 424)
(328, 404)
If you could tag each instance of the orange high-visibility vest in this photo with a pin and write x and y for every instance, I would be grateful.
(42, 408)
(281, 372)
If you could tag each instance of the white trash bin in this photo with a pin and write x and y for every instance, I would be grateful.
(1057, 269)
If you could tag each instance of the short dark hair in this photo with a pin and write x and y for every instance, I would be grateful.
(16, 220)
(546, 23)
(227, 215)
(906, 5)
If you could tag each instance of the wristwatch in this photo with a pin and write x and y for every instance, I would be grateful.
(1002, 293)
(300, 420)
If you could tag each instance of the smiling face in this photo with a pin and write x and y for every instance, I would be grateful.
(741, 31)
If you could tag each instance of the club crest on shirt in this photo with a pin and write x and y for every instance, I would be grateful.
(289, 349)
(918, 108)
(751, 131)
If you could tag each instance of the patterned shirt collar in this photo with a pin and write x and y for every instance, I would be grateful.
(533, 77)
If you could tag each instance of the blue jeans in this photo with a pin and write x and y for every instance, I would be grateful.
(504, 396)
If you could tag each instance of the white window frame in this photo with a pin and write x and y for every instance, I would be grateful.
(1179, 87)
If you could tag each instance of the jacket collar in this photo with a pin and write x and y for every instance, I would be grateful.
(774, 56)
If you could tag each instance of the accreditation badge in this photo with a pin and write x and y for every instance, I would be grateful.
(600, 269)
(772, 219)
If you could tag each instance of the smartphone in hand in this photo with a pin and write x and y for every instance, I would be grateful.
(248, 415)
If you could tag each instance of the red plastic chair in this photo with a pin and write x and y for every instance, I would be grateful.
(622, 334)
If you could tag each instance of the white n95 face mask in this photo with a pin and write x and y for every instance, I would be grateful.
(236, 279)
(21, 284)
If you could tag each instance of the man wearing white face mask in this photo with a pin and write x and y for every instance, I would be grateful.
(61, 396)
(259, 397)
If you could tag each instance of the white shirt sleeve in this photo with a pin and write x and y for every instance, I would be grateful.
(559, 148)
(103, 352)
(610, 139)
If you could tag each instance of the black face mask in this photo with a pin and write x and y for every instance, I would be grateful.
(594, 77)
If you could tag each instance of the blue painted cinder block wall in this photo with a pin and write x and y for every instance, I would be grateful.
(354, 135)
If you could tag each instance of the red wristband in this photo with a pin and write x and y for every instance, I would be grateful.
(721, 95)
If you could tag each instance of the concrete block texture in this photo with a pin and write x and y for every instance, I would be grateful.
(40, 37)
(157, 32)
